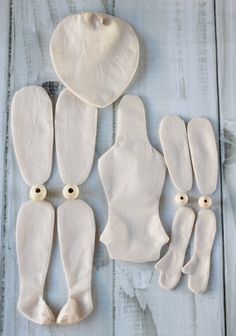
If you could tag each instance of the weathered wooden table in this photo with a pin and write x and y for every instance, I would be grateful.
(187, 67)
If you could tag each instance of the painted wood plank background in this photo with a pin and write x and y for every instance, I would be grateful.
(187, 67)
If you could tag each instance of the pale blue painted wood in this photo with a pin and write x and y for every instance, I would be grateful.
(177, 74)
(226, 42)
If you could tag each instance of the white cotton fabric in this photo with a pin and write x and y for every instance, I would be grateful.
(34, 234)
(95, 55)
(171, 264)
(76, 230)
(32, 132)
(75, 129)
(204, 154)
(132, 173)
(198, 268)
(175, 148)
(75, 136)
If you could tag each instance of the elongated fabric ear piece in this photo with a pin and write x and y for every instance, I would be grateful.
(75, 133)
(174, 143)
(170, 265)
(175, 148)
(75, 129)
(132, 173)
(204, 154)
(32, 130)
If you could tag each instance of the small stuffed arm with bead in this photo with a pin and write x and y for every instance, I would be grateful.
(174, 143)
(32, 131)
(203, 150)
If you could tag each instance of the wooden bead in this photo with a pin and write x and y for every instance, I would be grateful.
(181, 198)
(71, 191)
(38, 192)
(205, 202)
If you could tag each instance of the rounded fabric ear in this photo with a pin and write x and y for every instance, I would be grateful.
(95, 55)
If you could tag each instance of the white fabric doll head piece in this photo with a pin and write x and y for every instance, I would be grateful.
(95, 55)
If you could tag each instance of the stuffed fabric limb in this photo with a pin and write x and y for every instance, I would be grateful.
(171, 264)
(132, 173)
(75, 128)
(32, 130)
(205, 165)
(174, 143)
(198, 268)
(76, 229)
(34, 232)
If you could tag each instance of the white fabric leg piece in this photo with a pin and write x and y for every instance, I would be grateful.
(32, 131)
(171, 264)
(198, 268)
(75, 129)
(76, 229)
(132, 173)
(34, 233)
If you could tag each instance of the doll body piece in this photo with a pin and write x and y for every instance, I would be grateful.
(76, 229)
(175, 147)
(173, 136)
(75, 129)
(132, 173)
(171, 264)
(34, 234)
(198, 268)
(32, 131)
(203, 150)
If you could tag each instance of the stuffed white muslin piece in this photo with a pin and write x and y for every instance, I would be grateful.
(95, 55)
(203, 150)
(174, 142)
(132, 173)
(171, 264)
(32, 130)
(75, 129)
(198, 268)
(173, 136)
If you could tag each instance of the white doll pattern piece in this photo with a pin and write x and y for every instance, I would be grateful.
(205, 165)
(75, 136)
(32, 131)
(198, 268)
(100, 39)
(171, 264)
(132, 173)
(174, 142)
(173, 136)
(75, 130)
(34, 234)
(76, 230)
(204, 154)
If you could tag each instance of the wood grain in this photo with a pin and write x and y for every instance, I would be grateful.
(177, 74)
(226, 43)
